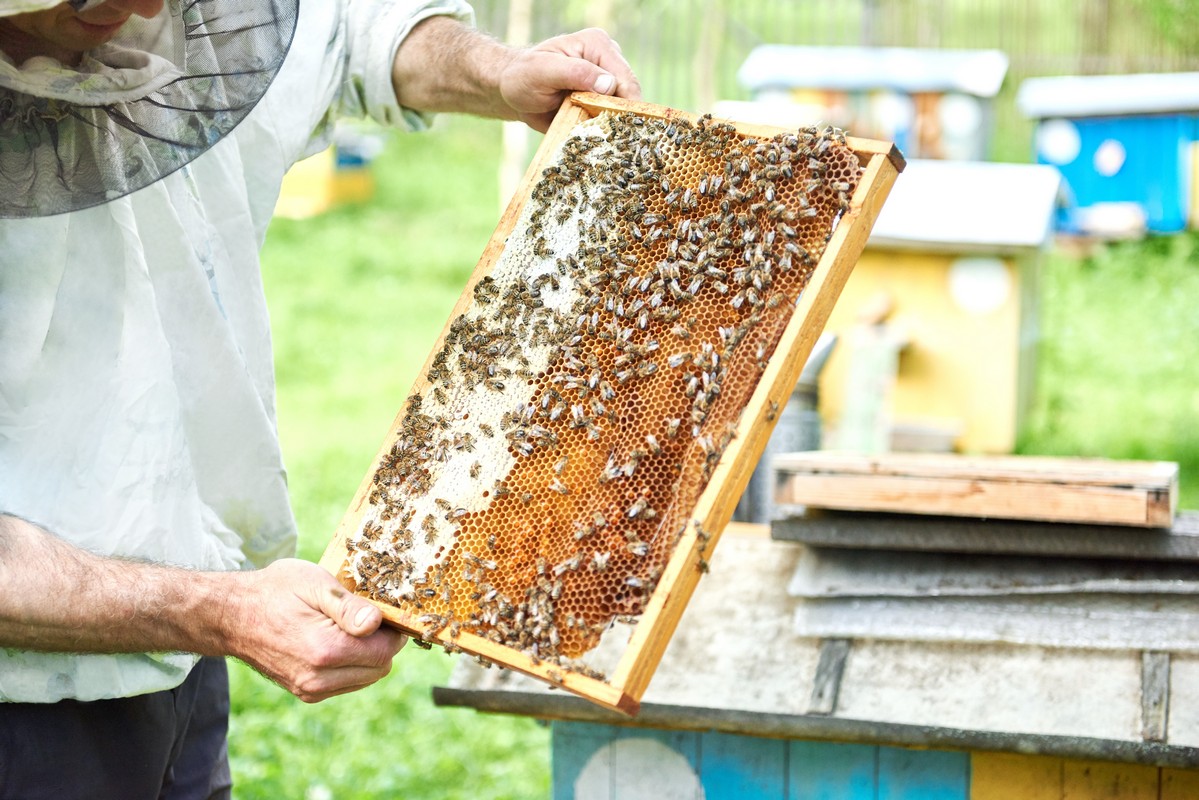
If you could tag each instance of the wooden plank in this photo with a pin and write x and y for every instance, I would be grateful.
(1155, 695)
(827, 683)
(1179, 784)
(1103, 780)
(1075, 471)
(1004, 776)
(875, 530)
(714, 507)
(832, 771)
(923, 774)
(737, 767)
(1010, 487)
(573, 746)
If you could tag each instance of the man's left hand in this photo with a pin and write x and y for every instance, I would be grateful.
(536, 81)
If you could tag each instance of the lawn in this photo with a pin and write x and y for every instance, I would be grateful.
(359, 295)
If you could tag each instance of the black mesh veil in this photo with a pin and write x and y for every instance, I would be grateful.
(156, 97)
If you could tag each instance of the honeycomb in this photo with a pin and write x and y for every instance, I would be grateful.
(576, 408)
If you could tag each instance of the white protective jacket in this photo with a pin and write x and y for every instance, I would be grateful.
(136, 383)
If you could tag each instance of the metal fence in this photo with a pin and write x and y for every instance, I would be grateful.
(686, 52)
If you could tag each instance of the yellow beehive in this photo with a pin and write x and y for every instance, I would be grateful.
(601, 391)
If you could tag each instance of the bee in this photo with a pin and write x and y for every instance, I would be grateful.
(638, 507)
(559, 487)
(599, 562)
(672, 427)
(652, 442)
(486, 429)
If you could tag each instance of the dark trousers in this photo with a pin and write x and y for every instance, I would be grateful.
(169, 745)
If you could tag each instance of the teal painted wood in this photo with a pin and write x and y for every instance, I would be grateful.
(923, 774)
(572, 744)
(735, 767)
(831, 771)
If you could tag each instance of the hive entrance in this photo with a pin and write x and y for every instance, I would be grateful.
(550, 468)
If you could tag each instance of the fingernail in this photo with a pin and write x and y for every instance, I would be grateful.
(604, 84)
(363, 616)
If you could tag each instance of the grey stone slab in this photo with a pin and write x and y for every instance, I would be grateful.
(849, 529)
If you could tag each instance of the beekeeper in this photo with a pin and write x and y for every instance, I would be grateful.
(144, 519)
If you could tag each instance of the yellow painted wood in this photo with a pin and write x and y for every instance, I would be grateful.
(1100, 491)
(1179, 784)
(960, 368)
(1101, 780)
(1007, 776)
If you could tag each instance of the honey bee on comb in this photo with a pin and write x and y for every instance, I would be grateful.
(592, 377)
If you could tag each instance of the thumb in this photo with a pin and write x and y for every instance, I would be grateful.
(353, 614)
(573, 73)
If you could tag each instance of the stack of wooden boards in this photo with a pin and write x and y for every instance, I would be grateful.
(1056, 554)
(985, 504)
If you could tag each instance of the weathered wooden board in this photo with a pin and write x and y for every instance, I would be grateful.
(883, 531)
(1099, 491)
(474, 567)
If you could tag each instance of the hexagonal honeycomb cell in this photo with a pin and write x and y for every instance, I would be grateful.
(578, 404)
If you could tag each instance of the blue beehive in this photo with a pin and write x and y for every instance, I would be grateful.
(1124, 145)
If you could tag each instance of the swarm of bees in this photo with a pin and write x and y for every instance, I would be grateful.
(575, 410)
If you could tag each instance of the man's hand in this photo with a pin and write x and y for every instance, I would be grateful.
(291, 621)
(298, 626)
(445, 66)
(537, 80)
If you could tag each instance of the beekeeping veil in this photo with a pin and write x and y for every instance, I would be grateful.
(137, 108)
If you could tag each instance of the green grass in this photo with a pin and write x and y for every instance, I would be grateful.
(359, 295)
(1118, 360)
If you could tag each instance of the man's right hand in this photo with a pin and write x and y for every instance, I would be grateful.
(298, 626)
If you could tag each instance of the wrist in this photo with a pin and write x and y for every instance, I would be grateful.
(214, 619)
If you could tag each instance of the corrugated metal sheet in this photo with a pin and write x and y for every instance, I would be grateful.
(1109, 95)
(969, 206)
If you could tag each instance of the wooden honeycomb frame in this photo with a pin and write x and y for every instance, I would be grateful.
(622, 691)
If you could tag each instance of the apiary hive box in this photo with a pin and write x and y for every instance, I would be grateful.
(610, 375)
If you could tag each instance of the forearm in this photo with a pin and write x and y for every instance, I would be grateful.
(57, 597)
(291, 620)
(445, 66)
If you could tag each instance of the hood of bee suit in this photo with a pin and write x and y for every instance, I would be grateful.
(137, 108)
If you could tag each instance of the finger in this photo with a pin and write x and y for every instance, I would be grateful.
(342, 680)
(564, 72)
(353, 614)
(597, 47)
